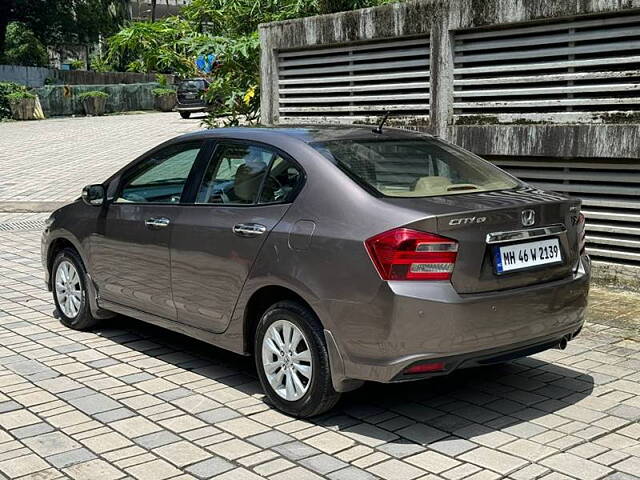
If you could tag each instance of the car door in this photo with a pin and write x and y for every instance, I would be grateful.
(244, 192)
(131, 264)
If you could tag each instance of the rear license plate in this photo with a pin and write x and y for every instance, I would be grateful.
(189, 95)
(527, 255)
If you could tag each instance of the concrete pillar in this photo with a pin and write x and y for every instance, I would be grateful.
(269, 96)
(441, 75)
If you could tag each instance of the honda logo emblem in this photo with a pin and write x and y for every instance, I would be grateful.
(528, 218)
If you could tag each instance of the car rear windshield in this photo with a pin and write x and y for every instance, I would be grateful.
(191, 86)
(414, 167)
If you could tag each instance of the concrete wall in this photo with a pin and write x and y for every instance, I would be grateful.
(602, 145)
(37, 76)
(58, 100)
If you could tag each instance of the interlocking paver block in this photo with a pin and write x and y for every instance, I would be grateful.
(432, 462)
(65, 459)
(51, 443)
(210, 468)
(17, 418)
(94, 403)
(98, 469)
(323, 463)
(576, 466)
(23, 465)
(330, 442)
(396, 470)
(493, 460)
(182, 453)
(135, 427)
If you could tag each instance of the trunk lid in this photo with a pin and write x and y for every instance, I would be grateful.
(469, 218)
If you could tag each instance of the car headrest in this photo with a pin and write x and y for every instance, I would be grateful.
(432, 185)
(247, 181)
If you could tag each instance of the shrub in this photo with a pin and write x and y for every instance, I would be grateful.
(15, 97)
(7, 88)
(100, 65)
(76, 64)
(161, 92)
(163, 80)
(93, 94)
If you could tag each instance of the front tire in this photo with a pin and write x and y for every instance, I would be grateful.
(293, 362)
(185, 115)
(70, 291)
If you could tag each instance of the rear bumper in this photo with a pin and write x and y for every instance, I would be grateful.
(186, 107)
(436, 324)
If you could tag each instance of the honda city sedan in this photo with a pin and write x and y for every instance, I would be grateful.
(332, 255)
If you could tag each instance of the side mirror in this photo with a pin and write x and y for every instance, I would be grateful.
(93, 195)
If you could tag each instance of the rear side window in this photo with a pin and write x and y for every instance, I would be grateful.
(246, 175)
(191, 86)
(414, 167)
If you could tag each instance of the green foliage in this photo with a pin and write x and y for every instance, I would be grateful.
(93, 94)
(165, 46)
(163, 91)
(55, 22)
(99, 64)
(234, 89)
(15, 97)
(23, 48)
(76, 64)
(6, 89)
(163, 80)
(227, 28)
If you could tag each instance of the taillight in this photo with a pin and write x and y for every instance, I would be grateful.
(405, 254)
(582, 234)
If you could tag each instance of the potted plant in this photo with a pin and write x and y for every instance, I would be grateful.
(23, 105)
(164, 97)
(94, 102)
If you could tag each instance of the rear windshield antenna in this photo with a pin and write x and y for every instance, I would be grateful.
(378, 129)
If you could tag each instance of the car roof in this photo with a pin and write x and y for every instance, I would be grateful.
(307, 133)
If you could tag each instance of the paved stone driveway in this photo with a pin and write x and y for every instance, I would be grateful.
(134, 401)
(52, 160)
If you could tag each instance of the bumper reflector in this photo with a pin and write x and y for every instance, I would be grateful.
(425, 368)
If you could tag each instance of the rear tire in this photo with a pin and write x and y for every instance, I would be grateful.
(69, 287)
(185, 115)
(305, 351)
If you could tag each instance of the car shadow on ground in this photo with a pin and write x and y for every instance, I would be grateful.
(491, 405)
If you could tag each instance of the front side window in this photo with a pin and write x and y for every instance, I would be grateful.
(414, 167)
(160, 178)
(248, 174)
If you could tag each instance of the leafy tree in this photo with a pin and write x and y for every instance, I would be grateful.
(54, 22)
(227, 28)
(23, 48)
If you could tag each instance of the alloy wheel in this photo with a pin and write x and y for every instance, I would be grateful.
(286, 359)
(68, 289)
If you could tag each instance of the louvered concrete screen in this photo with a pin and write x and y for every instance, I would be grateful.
(580, 70)
(610, 194)
(354, 82)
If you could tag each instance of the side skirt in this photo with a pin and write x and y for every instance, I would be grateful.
(233, 343)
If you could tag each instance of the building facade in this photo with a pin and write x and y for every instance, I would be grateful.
(547, 89)
(141, 9)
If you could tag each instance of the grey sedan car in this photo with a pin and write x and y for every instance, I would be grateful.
(333, 255)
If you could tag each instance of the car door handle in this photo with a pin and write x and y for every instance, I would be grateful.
(249, 229)
(154, 223)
